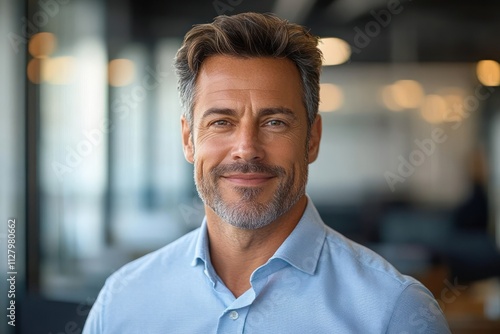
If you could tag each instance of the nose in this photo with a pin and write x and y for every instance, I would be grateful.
(247, 145)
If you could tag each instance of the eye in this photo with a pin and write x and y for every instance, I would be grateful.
(219, 123)
(275, 123)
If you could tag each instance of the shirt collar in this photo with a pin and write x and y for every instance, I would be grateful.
(303, 246)
(201, 251)
(300, 249)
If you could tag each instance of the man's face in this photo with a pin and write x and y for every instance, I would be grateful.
(249, 139)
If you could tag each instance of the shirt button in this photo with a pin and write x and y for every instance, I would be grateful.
(233, 315)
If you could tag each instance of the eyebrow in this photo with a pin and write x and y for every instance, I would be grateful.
(218, 111)
(277, 111)
(262, 112)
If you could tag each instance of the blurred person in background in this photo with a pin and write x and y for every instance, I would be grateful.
(471, 250)
(472, 214)
(263, 261)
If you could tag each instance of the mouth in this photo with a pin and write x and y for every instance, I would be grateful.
(248, 179)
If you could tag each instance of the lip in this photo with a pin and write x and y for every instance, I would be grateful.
(248, 179)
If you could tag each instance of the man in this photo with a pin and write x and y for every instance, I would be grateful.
(262, 261)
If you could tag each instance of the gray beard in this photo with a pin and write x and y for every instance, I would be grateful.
(247, 213)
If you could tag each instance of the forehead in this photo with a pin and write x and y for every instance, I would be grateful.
(259, 80)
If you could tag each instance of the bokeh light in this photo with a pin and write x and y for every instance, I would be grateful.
(121, 72)
(387, 97)
(488, 72)
(335, 51)
(42, 45)
(434, 109)
(59, 71)
(34, 70)
(331, 97)
(408, 94)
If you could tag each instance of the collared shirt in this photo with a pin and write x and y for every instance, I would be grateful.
(318, 281)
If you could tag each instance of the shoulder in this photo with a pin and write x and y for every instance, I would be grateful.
(417, 310)
(133, 289)
(166, 259)
(403, 301)
(363, 260)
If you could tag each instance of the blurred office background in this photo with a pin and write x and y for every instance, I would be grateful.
(93, 172)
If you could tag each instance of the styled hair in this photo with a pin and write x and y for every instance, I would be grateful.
(249, 35)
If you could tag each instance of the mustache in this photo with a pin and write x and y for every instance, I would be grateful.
(250, 167)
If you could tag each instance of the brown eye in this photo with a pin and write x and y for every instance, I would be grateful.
(275, 122)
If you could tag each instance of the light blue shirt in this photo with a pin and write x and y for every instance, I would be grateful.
(318, 281)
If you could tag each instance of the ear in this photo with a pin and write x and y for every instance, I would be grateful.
(187, 142)
(315, 138)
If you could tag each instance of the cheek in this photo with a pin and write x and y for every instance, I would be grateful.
(294, 156)
(208, 141)
(290, 149)
(292, 160)
(209, 152)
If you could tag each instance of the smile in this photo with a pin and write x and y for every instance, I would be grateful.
(248, 179)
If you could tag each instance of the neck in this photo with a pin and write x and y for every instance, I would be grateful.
(235, 253)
